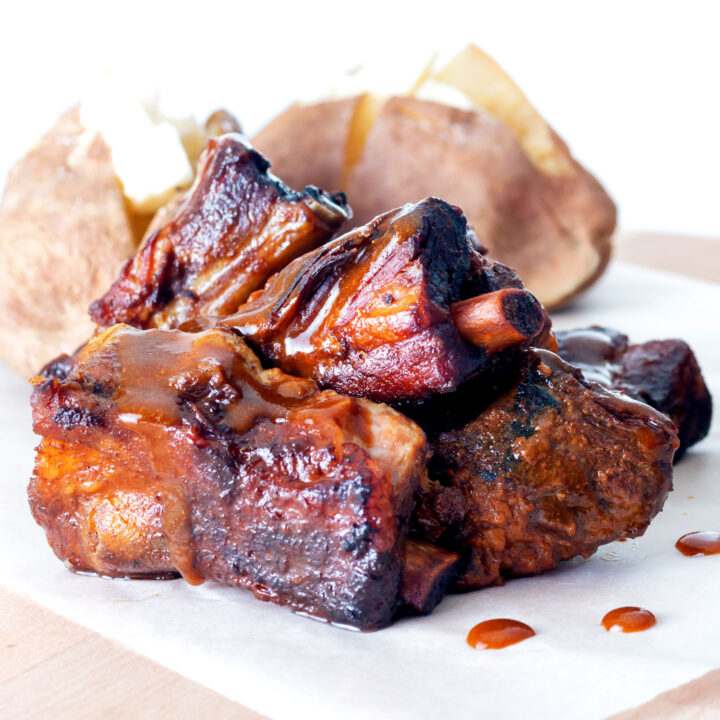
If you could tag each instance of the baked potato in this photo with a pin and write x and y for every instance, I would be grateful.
(65, 231)
(530, 203)
(68, 222)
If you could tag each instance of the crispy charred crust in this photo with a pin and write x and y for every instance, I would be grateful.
(663, 373)
(167, 452)
(552, 469)
(322, 538)
(237, 226)
(369, 314)
(69, 417)
(60, 367)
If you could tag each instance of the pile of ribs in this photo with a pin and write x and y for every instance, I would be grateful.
(352, 425)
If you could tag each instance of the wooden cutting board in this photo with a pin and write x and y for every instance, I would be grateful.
(53, 668)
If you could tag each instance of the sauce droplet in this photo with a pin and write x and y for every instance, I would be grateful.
(499, 633)
(628, 619)
(697, 544)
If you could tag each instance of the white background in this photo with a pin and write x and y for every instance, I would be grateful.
(633, 87)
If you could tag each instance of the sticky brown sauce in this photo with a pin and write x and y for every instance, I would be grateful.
(699, 544)
(628, 619)
(153, 371)
(502, 632)
(498, 633)
(156, 364)
(307, 330)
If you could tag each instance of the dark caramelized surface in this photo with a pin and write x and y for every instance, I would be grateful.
(339, 560)
(663, 373)
(170, 451)
(237, 226)
(550, 470)
(166, 451)
(368, 314)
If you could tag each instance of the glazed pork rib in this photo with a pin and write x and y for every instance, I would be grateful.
(164, 451)
(663, 373)
(553, 468)
(168, 449)
(237, 226)
(396, 310)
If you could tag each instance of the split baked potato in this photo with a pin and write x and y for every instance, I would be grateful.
(68, 224)
(68, 221)
(530, 203)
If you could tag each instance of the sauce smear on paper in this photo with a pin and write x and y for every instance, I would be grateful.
(628, 619)
(697, 544)
(498, 633)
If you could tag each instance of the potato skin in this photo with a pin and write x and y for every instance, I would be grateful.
(64, 235)
(306, 144)
(554, 230)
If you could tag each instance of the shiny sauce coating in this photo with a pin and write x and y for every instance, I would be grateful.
(498, 633)
(699, 544)
(628, 619)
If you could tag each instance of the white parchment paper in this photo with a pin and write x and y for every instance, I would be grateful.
(289, 667)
